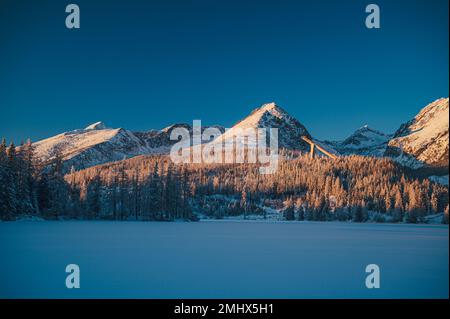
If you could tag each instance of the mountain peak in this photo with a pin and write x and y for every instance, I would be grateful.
(96, 126)
(268, 116)
(269, 106)
(367, 129)
(267, 110)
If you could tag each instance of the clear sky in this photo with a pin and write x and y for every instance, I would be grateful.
(147, 64)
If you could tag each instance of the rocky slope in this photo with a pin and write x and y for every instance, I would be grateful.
(423, 141)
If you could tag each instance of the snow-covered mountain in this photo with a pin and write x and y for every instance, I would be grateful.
(270, 115)
(365, 141)
(423, 141)
(98, 144)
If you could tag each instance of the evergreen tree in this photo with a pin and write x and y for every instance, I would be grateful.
(93, 198)
(58, 189)
(6, 200)
(155, 193)
(11, 181)
(244, 202)
(289, 209)
(398, 207)
(445, 217)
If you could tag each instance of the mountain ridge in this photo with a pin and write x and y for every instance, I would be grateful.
(98, 144)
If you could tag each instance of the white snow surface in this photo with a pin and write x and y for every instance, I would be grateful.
(434, 219)
(222, 259)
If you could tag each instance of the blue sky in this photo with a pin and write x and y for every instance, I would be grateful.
(147, 64)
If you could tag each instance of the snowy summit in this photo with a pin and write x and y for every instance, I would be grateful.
(96, 126)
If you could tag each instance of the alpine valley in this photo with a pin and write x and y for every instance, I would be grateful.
(119, 174)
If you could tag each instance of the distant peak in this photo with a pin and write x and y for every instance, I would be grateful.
(366, 128)
(96, 126)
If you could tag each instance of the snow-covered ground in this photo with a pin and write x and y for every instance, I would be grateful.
(434, 219)
(440, 179)
(227, 259)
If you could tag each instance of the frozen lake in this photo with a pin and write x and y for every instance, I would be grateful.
(222, 259)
